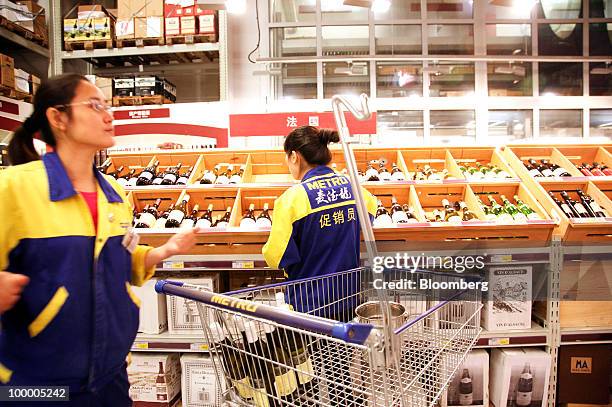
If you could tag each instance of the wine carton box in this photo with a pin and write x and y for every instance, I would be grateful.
(124, 29)
(153, 309)
(155, 379)
(173, 25)
(519, 377)
(123, 86)
(148, 27)
(183, 315)
(22, 81)
(148, 85)
(470, 385)
(7, 71)
(199, 385)
(584, 372)
(188, 25)
(127, 9)
(508, 302)
(207, 21)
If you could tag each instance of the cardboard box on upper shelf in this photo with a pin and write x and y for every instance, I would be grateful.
(127, 9)
(88, 11)
(519, 377)
(470, 385)
(188, 25)
(155, 379)
(154, 8)
(508, 305)
(22, 81)
(7, 71)
(124, 29)
(153, 308)
(172, 25)
(148, 27)
(199, 384)
(34, 84)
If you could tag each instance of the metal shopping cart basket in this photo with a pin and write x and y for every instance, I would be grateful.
(322, 354)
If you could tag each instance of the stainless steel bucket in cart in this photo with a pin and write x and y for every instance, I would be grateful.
(341, 360)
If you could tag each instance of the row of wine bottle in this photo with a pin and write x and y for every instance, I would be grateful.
(178, 216)
(480, 171)
(584, 207)
(458, 212)
(595, 170)
(258, 359)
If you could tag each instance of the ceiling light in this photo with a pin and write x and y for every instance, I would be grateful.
(517, 51)
(381, 6)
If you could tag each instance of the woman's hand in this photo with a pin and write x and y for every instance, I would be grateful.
(180, 243)
(11, 286)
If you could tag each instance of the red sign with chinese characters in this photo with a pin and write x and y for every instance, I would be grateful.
(141, 114)
(281, 124)
(9, 107)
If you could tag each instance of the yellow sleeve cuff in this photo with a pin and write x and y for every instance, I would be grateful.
(140, 274)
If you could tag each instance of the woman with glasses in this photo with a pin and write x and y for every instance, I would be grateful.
(65, 242)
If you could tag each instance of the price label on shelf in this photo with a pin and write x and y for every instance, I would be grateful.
(173, 265)
(199, 346)
(501, 258)
(499, 341)
(243, 264)
(141, 345)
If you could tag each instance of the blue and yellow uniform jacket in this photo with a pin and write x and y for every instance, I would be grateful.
(77, 318)
(315, 230)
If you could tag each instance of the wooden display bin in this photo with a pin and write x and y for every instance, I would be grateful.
(485, 155)
(132, 161)
(269, 167)
(405, 194)
(605, 187)
(140, 198)
(223, 158)
(577, 230)
(517, 156)
(581, 154)
(364, 156)
(188, 161)
(437, 158)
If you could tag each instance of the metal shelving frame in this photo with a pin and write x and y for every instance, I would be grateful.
(58, 55)
(19, 40)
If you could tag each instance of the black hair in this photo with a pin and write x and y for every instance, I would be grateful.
(56, 91)
(312, 143)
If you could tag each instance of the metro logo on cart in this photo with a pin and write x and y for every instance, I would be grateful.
(238, 304)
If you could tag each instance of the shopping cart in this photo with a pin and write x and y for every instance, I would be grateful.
(321, 355)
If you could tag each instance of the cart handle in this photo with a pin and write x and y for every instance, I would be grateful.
(351, 332)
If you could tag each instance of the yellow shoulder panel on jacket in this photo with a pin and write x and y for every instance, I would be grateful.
(291, 206)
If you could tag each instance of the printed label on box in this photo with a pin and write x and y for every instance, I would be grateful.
(581, 365)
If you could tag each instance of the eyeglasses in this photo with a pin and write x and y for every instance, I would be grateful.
(96, 105)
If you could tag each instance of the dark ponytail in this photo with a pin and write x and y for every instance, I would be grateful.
(312, 144)
(56, 91)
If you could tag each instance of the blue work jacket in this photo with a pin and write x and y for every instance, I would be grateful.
(77, 318)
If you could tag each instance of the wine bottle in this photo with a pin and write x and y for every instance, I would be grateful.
(585, 170)
(132, 181)
(160, 223)
(499, 211)
(409, 213)
(383, 173)
(371, 173)
(226, 349)
(597, 210)
(285, 382)
(171, 175)
(524, 387)
(224, 221)
(437, 216)
(298, 350)
(499, 173)
(215, 221)
(161, 389)
(190, 219)
(248, 219)
(178, 214)
(567, 210)
(210, 177)
(382, 217)
(105, 166)
(450, 214)
(467, 215)
(259, 373)
(397, 174)
(224, 177)
(544, 168)
(579, 211)
(145, 219)
(236, 178)
(466, 393)
(487, 211)
(585, 203)
(607, 171)
(526, 209)
(559, 171)
(264, 220)
(182, 180)
(513, 210)
(397, 213)
(205, 220)
(125, 180)
(115, 174)
(533, 169)
(596, 170)
(147, 175)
